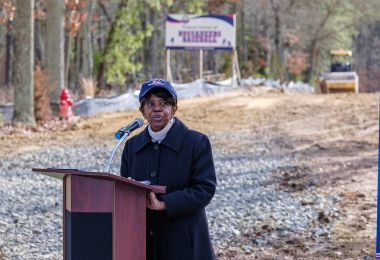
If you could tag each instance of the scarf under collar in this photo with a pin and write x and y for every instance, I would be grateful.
(160, 135)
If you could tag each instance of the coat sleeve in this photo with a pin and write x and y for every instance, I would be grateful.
(124, 159)
(203, 184)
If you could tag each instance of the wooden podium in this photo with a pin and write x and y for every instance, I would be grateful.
(104, 215)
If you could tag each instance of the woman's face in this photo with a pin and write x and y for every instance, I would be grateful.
(157, 112)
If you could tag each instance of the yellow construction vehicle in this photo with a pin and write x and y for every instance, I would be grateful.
(341, 77)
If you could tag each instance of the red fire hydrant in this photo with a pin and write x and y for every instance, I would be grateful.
(65, 104)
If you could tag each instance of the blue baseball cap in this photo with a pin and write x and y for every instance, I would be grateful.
(156, 83)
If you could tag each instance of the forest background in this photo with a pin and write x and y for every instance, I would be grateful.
(106, 47)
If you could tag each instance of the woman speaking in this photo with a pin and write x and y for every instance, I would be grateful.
(168, 153)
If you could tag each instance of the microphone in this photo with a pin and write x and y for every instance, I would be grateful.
(138, 122)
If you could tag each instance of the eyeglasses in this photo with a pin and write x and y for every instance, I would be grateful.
(161, 104)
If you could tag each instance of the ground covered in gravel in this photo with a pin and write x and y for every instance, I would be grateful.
(297, 174)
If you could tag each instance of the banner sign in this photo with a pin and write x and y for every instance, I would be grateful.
(212, 31)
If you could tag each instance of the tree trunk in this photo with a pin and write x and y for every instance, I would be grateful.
(277, 56)
(85, 45)
(367, 56)
(312, 61)
(317, 39)
(55, 48)
(156, 56)
(8, 54)
(74, 66)
(38, 43)
(243, 33)
(146, 54)
(23, 110)
(68, 43)
(277, 30)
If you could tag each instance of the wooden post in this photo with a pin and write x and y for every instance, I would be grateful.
(236, 77)
(201, 63)
(233, 78)
(169, 75)
(237, 67)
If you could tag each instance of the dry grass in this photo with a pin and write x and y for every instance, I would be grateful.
(88, 87)
(42, 109)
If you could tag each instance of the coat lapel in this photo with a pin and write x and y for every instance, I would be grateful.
(173, 139)
(142, 139)
(175, 136)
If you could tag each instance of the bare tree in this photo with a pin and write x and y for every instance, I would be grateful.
(24, 61)
(79, 46)
(38, 39)
(8, 54)
(84, 48)
(54, 49)
(6, 17)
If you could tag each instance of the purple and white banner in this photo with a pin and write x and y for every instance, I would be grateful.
(211, 31)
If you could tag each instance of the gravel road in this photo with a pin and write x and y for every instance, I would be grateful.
(248, 210)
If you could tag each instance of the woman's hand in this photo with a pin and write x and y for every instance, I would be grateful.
(153, 203)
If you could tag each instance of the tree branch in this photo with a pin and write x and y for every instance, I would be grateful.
(105, 12)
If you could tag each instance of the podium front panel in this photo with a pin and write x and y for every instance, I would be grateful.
(129, 223)
(86, 194)
(88, 221)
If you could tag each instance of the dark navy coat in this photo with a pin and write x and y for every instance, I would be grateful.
(183, 163)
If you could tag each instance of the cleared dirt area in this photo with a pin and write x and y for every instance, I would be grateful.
(335, 136)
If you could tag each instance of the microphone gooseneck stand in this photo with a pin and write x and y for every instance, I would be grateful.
(114, 151)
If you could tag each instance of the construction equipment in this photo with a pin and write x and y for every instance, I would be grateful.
(341, 77)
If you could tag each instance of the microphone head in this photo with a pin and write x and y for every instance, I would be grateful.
(140, 121)
(137, 123)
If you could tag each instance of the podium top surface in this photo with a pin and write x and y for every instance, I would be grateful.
(62, 173)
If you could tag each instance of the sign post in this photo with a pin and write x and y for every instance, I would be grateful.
(169, 75)
(201, 63)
